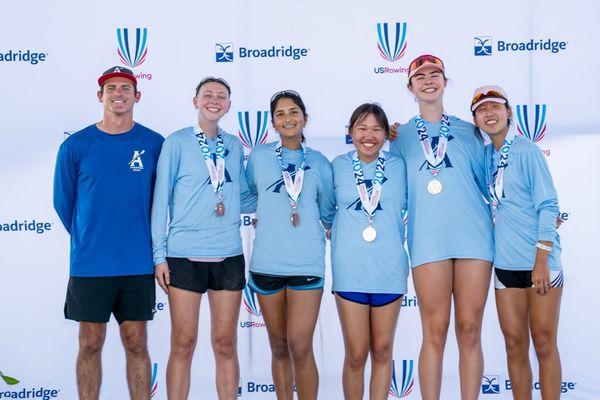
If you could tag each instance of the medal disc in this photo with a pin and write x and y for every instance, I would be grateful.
(434, 186)
(295, 218)
(369, 234)
(220, 209)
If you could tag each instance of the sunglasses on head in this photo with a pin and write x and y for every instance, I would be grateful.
(284, 93)
(489, 93)
(425, 59)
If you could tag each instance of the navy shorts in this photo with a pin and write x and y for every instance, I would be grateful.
(370, 299)
(198, 276)
(93, 299)
(271, 284)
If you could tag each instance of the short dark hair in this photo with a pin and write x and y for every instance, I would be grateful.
(288, 94)
(365, 109)
(210, 79)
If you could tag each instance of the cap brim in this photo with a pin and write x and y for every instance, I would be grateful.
(488, 99)
(106, 77)
(426, 65)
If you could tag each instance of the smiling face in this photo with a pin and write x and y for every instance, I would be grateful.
(428, 84)
(118, 95)
(492, 118)
(212, 101)
(289, 119)
(368, 136)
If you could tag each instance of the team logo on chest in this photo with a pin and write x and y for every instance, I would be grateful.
(446, 163)
(278, 184)
(227, 175)
(357, 204)
(136, 163)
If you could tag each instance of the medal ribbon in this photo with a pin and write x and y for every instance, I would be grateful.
(369, 203)
(496, 181)
(434, 160)
(293, 186)
(215, 170)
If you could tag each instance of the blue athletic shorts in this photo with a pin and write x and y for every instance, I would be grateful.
(370, 299)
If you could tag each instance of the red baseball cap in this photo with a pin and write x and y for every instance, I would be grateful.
(117, 72)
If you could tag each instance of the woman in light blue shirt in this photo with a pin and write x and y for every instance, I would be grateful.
(450, 239)
(369, 263)
(294, 186)
(200, 191)
(527, 266)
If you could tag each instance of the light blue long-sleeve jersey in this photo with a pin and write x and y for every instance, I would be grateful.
(184, 198)
(103, 194)
(382, 265)
(279, 247)
(528, 209)
(456, 223)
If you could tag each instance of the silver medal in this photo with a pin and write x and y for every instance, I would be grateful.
(369, 234)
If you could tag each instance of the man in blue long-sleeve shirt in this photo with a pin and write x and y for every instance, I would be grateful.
(103, 187)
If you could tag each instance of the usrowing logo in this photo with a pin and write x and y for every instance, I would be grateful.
(391, 50)
(253, 134)
(534, 128)
(132, 50)
(250, 302)
(404, 387)
(154, 382)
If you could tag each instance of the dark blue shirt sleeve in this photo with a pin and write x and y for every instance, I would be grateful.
(65, 186)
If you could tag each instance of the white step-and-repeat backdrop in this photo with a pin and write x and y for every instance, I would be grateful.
(336, 54)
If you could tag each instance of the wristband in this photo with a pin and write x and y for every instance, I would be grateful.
(543, 247)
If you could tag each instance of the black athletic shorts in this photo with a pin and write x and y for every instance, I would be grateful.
(93, 299)
(505, 279)
(198, 276)
(271, 284)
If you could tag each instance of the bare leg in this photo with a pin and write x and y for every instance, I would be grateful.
(89, 369)
(433, 284)
(134, 338)
(513, 312)
(184, 306)
(303, 310)
(224, 314)
(355, 319)
(274, 311)
(383, 328)
(471, 286)
(544, 314)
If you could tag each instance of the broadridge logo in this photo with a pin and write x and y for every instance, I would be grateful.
(33, 225)
(225, 52)
(484, 46)
(26, 393)
(25, 56)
